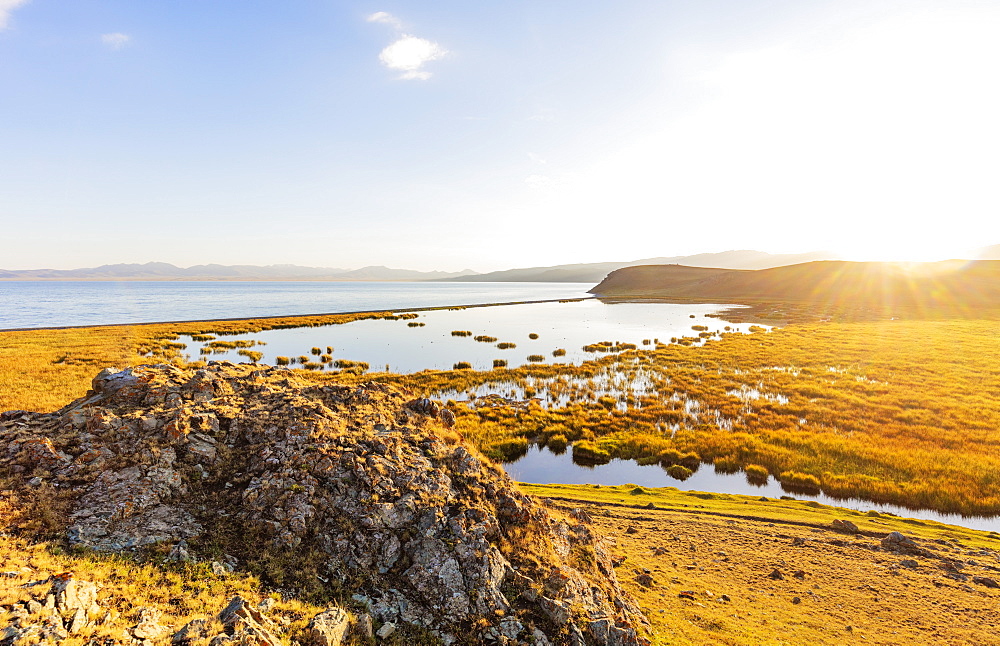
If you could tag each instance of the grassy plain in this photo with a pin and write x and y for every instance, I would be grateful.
(896, 411)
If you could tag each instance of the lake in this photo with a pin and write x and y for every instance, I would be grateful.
(34, 304)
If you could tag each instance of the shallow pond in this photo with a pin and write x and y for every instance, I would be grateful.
(541, 466)
(426, 342)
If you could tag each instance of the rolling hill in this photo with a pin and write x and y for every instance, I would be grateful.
(594, 272)
(953, 283)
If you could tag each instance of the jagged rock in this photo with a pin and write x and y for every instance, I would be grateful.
(70, 595)
(246, 623)
(329, 628)
(191, 631)
(986, 581)
(148, 626)
(397, 511)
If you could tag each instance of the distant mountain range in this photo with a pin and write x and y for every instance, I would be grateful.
(166, 271)
(595, 272)
(573, 273)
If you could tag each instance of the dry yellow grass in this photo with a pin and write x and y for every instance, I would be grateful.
(710, 558)
(43, 370)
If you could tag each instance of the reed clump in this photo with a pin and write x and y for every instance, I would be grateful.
(253, 355)
(347, 364)
(756, 474)
(483, 338)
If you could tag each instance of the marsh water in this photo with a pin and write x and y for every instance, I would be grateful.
(541, 466)
(426, 342)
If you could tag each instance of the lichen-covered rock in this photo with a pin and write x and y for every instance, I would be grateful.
(419, 529)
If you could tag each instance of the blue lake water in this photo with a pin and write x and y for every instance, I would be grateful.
(34, 304)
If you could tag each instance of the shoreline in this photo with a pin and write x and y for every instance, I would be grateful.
(292, 316)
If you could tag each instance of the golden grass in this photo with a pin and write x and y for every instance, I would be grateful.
(901, 412)
(709, 557)
(180, 592)
(43, 370)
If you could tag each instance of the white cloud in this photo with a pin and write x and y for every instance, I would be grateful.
(409, 54)
(115, 40)
(537, 159)
(6, 6)
(386, 19)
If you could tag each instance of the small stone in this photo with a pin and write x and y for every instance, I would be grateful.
(363, 627)
(796, 600)
(845, 526)
(329, 627)
(776, 575)
(385, 630)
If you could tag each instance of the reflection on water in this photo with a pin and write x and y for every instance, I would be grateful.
(540, 466)
(562, 329)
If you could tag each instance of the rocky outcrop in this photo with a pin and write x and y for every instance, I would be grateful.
(406, 519)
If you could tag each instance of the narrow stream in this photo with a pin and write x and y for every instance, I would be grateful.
(541, 466)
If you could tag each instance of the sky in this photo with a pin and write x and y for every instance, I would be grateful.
(452, 134)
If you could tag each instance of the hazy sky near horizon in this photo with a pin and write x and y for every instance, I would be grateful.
(453, 134)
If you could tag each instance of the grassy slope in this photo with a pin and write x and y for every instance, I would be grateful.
(850, 591)
(950, 284)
